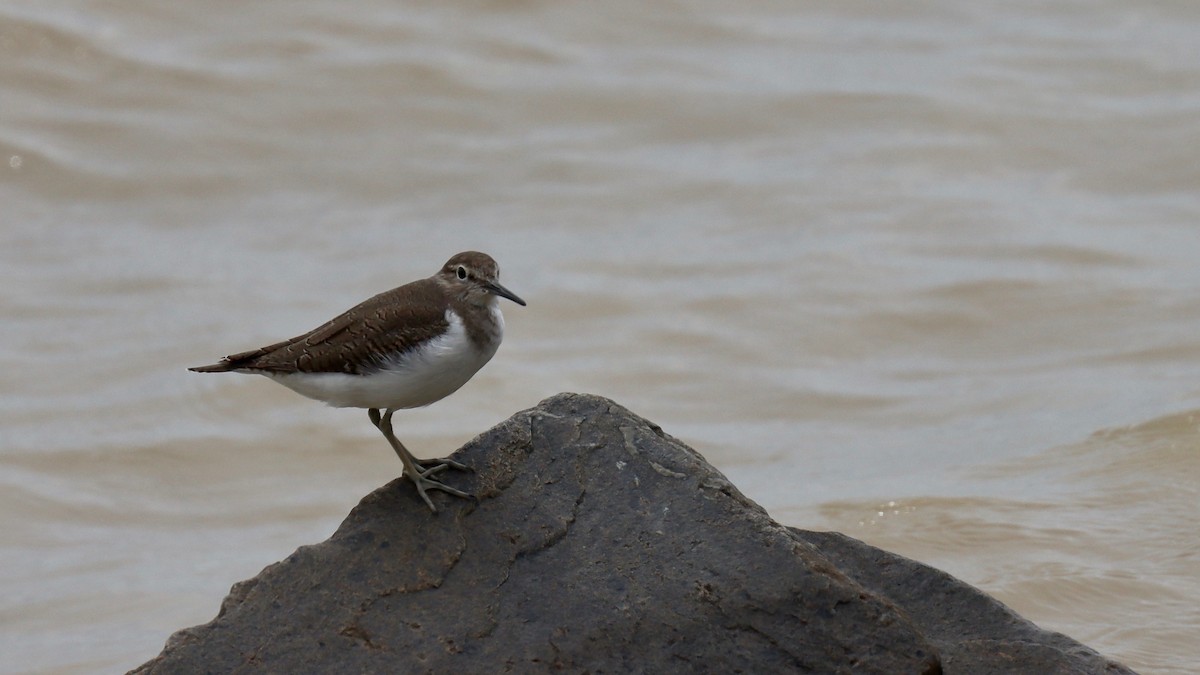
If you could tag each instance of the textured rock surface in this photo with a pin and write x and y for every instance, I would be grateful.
(600, 544)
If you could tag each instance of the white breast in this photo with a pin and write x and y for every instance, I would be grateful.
(414, 379)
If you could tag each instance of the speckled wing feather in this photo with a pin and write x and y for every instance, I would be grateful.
(389, 323)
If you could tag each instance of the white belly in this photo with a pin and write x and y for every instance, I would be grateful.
(418, 378)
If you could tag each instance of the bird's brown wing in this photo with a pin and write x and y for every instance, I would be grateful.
(355, 341)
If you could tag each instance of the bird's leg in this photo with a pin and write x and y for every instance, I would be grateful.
(420, 478)
(431, 466)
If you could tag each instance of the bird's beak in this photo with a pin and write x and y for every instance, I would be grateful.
(504, 292)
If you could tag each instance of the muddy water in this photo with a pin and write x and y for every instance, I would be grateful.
(922, 274)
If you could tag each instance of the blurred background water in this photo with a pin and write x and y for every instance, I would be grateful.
(921, 273)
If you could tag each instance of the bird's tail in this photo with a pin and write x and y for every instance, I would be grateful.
(222, 367)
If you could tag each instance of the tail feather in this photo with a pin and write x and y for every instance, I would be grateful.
(222, 367)
(239, 361)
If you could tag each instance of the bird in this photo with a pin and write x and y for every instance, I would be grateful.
(404, 348)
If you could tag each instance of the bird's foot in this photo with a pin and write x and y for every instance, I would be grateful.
(423, 482)
(419, 471)
(440, 465)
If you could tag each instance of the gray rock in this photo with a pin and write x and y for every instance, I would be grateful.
(599, 544)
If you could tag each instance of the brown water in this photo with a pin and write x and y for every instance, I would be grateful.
(924, 273)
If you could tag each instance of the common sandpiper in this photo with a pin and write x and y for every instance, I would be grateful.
(404, 348)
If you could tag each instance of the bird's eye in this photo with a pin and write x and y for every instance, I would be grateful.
(462, 272)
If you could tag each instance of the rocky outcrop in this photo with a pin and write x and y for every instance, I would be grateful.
(600, 544)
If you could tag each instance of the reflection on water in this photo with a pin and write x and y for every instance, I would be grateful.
(910, 273)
